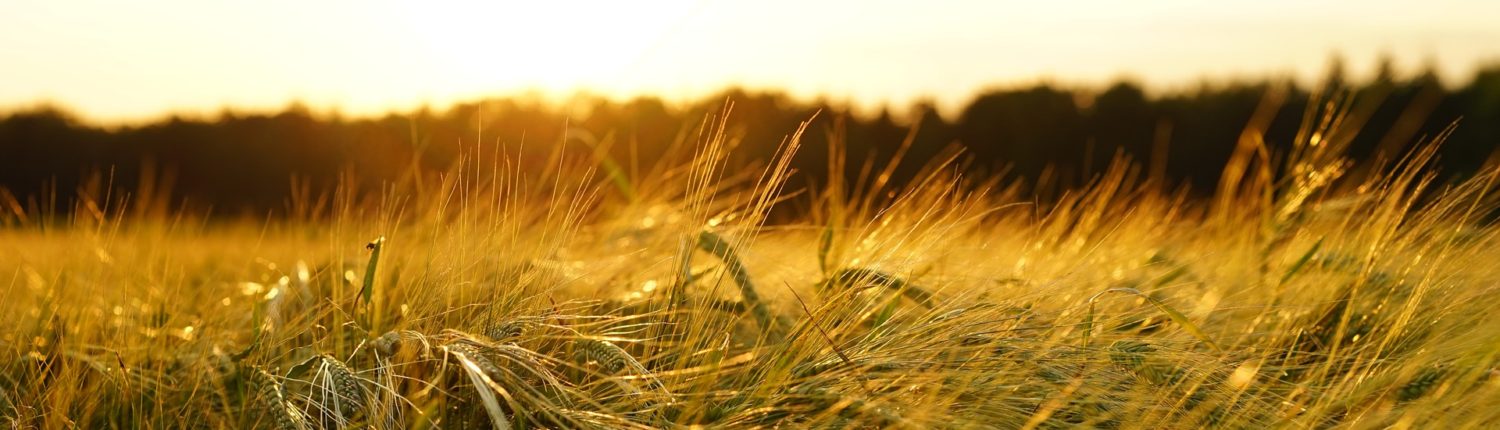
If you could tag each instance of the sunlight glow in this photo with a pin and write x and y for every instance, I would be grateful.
(133, 60)
(548, 45)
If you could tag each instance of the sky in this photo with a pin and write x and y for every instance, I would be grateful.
(114, 61)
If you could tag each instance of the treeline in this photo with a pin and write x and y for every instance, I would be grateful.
(251, 163)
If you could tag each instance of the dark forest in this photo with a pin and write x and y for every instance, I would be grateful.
(1055, 137)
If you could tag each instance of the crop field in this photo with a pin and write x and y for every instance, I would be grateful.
(1307, 291)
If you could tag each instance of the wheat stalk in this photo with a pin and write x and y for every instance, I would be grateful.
(716, 245)
(271, 397)
(607, 354)
(850, 276)
(1420, 385)
(338, 394)
(479, 370)
(505, 330)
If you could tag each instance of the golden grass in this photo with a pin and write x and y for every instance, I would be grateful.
(535, 297)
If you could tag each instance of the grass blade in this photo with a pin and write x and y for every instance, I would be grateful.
(1171, 313)
(1302, 262)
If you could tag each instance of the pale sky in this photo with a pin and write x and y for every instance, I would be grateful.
(130, 60)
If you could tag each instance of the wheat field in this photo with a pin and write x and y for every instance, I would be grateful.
(1308, 292)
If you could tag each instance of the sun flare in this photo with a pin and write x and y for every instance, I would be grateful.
(558, 46)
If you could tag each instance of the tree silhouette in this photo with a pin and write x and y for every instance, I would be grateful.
(251, 163)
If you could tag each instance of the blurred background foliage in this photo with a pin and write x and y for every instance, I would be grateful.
(1052, 137)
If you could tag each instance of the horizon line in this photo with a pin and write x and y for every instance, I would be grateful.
(561, 99)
